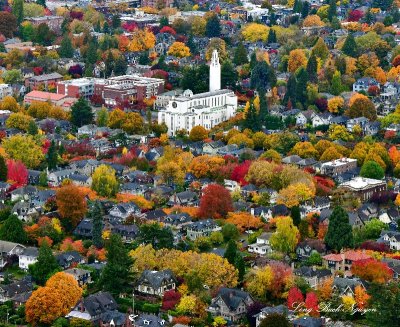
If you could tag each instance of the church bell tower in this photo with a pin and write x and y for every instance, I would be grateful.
(215, 72)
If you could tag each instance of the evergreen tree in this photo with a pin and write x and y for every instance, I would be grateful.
(156, 235)
(291, 88)
(96, 214)
(116, 275)
(109, 63)
(91, 53)
(240, 57)
(12, 230)
(164, 21)
(336, 85)
(339, 234)
(253, 60)
(301, 85)
(320, 49)
(120, 66)
(230, 252)
(306, 9)
(3, 169)
(263, 115)
(252, 120)
(52, 156)
(312, 67)
(350, 46)
(46, 265)
(192, 46)
(41, 2)
(295, 214)
(297, 6)
(229, 76)
(18, 10)
(332, 10)
(262, 77)
(144, 58)
(116, 21)
(271, 36)
(275, 320)
(106, 28)
(65, 26)
(66, 49)
(81, 113)
(368, 18)
(240, 266)
(213, 27)
(32, 128)
(43, 181)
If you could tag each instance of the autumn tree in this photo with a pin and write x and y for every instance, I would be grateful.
(142, 40)
(361, 106)
(372, 270)
(19, 120)
(286, 236)
(25, 149)
(311, 304)
(295, 194)
(254, 32)
(198, 133)
(179, 49)
(71, 204)
(215, 202)
(206, 166)
(297, 59)
(295, 298)
(244, 221)
(17, 172)
(8, 23)
(116, 275)
(104, 181)
(361, 297)
(339, 233)
(45, 266)
(313, 21)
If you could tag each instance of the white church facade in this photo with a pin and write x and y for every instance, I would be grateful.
(206, 109)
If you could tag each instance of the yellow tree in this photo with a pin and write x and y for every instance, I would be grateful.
(254, 32)
(219, 45)
(330, 153)
(170, 172)
(286, 236)
(297, 59)
(142, 40)
(259, 281)
(335, 104)
(339, 132)
(294, 194)
(198, 25)
(305, 150)
(19, 120)
(104, 181)
(313, 20)
(198, 133)
(116, 118)
(9, 103)
(241, 139)
(179, 49)
(132, 123)
(24, 148)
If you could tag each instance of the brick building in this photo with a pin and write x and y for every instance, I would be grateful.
(81, 87)
(339, 166)
(44, 81)
(364, 188)
(53, 22)
(157, 3)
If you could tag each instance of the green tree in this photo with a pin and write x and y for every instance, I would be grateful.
(332, 11)
(371, 169)
(66, 49)
(314, 259)
(275, 320)
(102, 117)
(156, 235)
(213, 27)
(3, 169)
(81, 113)
(350, 46)
(96, 214)
(320, 49)
(262, 77)
(43, 181)
(295, 214)
(240, 266)
(164, 21)
(52, 156)
(104, 181)
(120, 66)
(264, 114)
(286, 235)
(91, 53)
(12, 230)
(271, 36)
(336, 84)
(230, 232)
(301, 85)
(339, 234)
(252, 119)
(18, 10)
(240, 56)
(229, 75)
(231, 251)
(41, 2)
(291, 88)
(46, 265)
(116, 275)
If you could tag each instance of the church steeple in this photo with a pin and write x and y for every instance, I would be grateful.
(215, 72)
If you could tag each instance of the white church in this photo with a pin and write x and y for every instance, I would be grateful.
(205, 109)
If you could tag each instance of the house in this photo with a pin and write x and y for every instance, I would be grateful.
(156, 282)
(321, 119)
(346, 286)
(316, 205)
(28, 257)
(148, 320)
(55, 178)
(338, 166)
(364, 188)
(262, 245)
(178, 220)
(304, 117)
(305, 248)
(45, 80)
(364, 83)
(185, 198)
(82, 276)
(231, 304)
(25, 211)
(201, 228)
(122, 211)
(10, 291)
(308, 322)
(391, 238)
(279, 309)
(128, 233)
(359, 121)
(9, 252)
(84, 228)
(312, 275)
(343, 261)
(69, 259)
(93, 307)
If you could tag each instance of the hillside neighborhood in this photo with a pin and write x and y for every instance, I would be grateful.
(190, 163)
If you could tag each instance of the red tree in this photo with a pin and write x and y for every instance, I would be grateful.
(215, 202)
(355, 15)
(240, 172)
(396, 61)
(312, 304)
(167, 29)
(373, 90)
(295, 297)
(17, 172)
(372, 270)
(170, 300)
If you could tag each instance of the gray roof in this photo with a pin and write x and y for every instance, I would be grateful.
(156, 278)
(232, 297)
(46, 77)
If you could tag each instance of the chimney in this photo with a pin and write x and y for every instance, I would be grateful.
(252, 211)
(82, 306)
(314, 268)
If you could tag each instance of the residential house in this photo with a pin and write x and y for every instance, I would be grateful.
(307, 321)
(391, 238)
(364, 83)
(69, 259)
(346, 286)
(231, 304)
(201, 228)
(343, 261)
(10, 291)
(279, 309)
(82, 276)
(25, 211)
(185, 198)
(55, 178)
(305, 248)
(262, 245)
(316, 205)
(359, 121)
(9, 252)
(27, 257)
(121, 211)
(312, 275)
(304, 117)
(178, 220)
(156, 282)
(321, 119)
(148, 320)
(45, 80)
(128, 233)
(84, 228)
